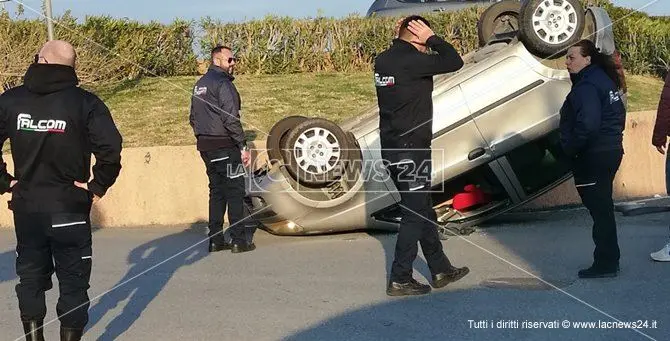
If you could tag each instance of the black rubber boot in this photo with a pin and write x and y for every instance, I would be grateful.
(70, 334)
(243, 247)
(33, 330)
(599, 272)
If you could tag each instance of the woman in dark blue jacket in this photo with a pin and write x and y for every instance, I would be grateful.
(593, 118)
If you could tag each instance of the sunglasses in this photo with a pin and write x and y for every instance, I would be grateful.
(232, 59)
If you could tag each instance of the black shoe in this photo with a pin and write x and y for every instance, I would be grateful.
(33, 330)
(412, 287)
(218, 244)
(595, 272)
(243, 247)
(442, 279)
(71, 334)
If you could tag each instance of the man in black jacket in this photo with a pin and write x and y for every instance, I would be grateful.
(53, 127)
(404, 82)
(215, 119)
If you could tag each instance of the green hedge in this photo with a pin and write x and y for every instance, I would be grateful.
(644, 41)
(108, 49)
(284, 45)
(275, 44)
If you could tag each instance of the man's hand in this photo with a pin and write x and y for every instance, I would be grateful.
(84, 185)
(421, 31)
(661, 149)
(246, 158)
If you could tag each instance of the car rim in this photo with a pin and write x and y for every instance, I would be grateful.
(317, 151)
(555, 21)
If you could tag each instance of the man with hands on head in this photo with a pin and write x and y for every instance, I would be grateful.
(404, 82)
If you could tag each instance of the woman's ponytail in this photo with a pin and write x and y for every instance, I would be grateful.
(606, 62)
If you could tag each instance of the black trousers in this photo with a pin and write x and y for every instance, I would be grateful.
(227, 190)
(594, 177)
(411, 175)
(48, 242)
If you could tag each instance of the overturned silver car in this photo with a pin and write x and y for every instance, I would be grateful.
(495, 132)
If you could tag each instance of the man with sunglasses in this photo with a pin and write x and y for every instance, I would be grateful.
(54, 126)
(404, 82)
(215, 119)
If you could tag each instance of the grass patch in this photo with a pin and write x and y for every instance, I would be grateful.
(644, 92)
(155, 111)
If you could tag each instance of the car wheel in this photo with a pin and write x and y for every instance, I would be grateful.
(276, 141)
(501, 17)
(317, 151)
(549, 27)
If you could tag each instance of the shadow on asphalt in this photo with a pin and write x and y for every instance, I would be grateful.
(457, 315)
(553, 252)
(388, 240)
(139, 289)
(7, 266)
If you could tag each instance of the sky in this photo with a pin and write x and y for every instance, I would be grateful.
(239, 10)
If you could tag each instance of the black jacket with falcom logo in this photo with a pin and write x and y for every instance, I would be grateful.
(215, 111)
(53, 127)
(404, 83)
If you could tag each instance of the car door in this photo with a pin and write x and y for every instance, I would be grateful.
(511, 103)
(457, 146)
(517, 112)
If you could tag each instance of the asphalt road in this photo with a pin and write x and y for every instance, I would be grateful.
(160, 284)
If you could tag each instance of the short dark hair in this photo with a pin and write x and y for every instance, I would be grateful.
(218, 49)
(405, 23)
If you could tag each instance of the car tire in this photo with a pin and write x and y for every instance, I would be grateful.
(501, 17)
(276, 141)
(549, 27)
(329, 146)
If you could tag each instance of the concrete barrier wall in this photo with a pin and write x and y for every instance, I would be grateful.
(157, 185)
(642, 171)
(168, 185)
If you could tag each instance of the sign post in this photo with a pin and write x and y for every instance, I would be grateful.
(50, 24)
